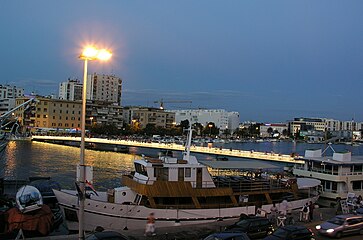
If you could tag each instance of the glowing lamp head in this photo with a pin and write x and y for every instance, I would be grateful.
(104, 55)
(89, 53)
(92, 53)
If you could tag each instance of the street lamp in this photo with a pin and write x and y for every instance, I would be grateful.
(88, 54)
(210, 129)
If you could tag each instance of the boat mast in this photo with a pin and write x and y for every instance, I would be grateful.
(188, 143)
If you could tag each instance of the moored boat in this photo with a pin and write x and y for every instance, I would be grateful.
(340, 173)
(180, 192)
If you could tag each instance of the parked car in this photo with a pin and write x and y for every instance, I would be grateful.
(111, 235)
(227, 236)
(342, 225)
(295, 232)
(253, 226)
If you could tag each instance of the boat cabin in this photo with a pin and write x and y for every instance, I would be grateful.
(339, 174)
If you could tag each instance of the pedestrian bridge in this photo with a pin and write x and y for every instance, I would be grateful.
(177, 147)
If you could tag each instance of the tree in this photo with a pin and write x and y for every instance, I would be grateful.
(149, 129)
(198, 127)
(226, 132)
(285, 132)
(270, 131)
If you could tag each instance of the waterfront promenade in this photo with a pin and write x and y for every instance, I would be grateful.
(284, 158)
(199, 231)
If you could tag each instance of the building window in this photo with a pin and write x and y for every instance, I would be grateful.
(45, 116)
(38, 115)
(53, 117)
(59, 124)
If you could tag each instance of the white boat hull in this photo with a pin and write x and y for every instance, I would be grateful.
(113, 216)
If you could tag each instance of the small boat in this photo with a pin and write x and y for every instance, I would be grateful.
(180, 192)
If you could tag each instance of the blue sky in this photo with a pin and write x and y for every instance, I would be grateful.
(269, 60)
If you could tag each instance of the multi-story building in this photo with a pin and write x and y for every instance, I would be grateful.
(305, 124)
(71, 90)
(50, 113)
(101, 113)
(105, 88)
(141, 116)
(8, 94)
(220, 117)
(233, 121)
(275, 127)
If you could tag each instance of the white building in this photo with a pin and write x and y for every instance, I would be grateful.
(8, 94)
(220, 117)
(105, 88)
(70, 90)
(233, 121)
(277, 128)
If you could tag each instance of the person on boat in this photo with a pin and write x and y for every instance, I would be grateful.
(304, 213)
(150, 225)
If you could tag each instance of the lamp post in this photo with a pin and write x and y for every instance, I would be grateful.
(210, 129)
(89, 53)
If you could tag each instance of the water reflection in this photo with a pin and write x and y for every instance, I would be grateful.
(24, 159)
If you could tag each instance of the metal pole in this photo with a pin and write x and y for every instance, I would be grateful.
(82, 163)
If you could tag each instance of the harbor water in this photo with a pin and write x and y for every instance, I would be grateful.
(24, 159)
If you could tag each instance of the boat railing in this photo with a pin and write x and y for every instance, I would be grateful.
(319, 170)
(246, 184)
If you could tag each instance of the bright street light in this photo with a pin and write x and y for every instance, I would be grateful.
(89, 53)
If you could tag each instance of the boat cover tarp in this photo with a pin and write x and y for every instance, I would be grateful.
(307, 182)
(40, 220)
(45, 186)
(239, 165)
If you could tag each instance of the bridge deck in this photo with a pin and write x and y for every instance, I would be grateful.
(177, 147)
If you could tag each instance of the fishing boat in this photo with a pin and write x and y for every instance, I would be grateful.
(181, 192)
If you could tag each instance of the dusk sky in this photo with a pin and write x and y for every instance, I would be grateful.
(269, 60)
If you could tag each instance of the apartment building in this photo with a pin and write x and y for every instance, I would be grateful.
(106, 88)
(101, 113)
(141, 116)
(50, 113)
(220, 117)
(8, 94)
(71, 90)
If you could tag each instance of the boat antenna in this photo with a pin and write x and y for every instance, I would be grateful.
(329, 146)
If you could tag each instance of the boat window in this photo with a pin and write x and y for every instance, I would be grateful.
(334, 186)
(161, 174)
(140, 169)
(188, 172)
(357, 185)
